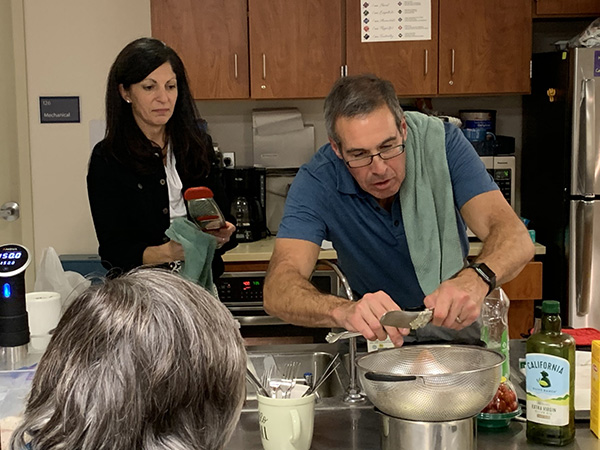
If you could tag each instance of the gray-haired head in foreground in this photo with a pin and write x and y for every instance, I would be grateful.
(358, 95)
(144, 361)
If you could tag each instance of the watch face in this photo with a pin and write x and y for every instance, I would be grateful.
(486, 274)
(485, 269)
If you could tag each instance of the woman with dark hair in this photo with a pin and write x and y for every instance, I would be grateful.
(154, 149)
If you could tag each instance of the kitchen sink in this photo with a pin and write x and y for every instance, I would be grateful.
(313, 359)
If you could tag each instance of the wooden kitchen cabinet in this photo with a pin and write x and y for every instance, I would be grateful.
(566, 8)
(484, 46)
(261, 49)
(295, 47)
(211, 37)
(411, 66)
(481, 47)
(522, 291)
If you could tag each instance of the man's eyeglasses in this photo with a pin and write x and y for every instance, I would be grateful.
(385, 154)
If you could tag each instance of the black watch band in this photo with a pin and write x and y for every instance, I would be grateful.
(485, 273)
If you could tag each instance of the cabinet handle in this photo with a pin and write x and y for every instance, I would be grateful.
(426, 61)
(452, 70)
(264, 58)
(235, 67)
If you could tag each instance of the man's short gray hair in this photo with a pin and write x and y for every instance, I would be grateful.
(144, 361)
(358, 95)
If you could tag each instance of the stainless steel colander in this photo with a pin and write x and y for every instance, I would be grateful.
(431, 383)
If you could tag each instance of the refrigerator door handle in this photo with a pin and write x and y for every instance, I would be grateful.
(588, 156)
(583, 254)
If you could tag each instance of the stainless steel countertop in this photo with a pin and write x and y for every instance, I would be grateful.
(358, 428)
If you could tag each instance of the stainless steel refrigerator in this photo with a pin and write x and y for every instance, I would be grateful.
(560, 178)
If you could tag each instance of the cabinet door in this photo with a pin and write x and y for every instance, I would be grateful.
(211, 37)
(410, 65)
(295, 47)
(567, 7)
(485, 46)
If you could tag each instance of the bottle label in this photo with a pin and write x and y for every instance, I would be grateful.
(547, 383)
(500, 346)
(373, 346)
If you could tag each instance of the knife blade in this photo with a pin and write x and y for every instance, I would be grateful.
(407, 319)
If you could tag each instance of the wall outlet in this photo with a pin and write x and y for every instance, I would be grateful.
(229, 160)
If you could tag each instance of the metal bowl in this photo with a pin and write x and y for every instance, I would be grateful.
(431, 383)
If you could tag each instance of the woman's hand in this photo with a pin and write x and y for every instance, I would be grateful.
(168, 252)
(222, 235)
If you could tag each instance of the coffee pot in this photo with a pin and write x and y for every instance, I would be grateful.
(247, 192)
(248, 214)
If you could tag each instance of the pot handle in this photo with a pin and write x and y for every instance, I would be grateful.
(374, 376)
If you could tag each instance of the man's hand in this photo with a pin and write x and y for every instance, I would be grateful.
(363, 316)
(457, 301)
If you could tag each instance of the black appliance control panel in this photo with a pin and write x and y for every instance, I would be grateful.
(502, 170)
(243, 289)
(247, 287)
(504, 180)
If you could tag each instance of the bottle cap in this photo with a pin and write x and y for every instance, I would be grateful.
(550, 307)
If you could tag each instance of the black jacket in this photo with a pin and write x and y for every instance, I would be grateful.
(131, 210)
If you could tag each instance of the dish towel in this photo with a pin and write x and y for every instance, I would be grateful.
(427, 203)
(199, 249)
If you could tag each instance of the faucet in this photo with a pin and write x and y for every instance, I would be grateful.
(353, 394)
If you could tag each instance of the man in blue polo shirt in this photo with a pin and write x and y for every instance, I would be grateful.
(393, 192)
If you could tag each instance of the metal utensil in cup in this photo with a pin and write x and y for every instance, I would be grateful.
(293, 374)
(257, 384)
(321, 380)
(266, 378)
(288, 381)
(274, 386)
(328, 370)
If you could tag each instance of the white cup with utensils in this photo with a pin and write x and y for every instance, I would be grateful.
(43, 311)
(286, 423)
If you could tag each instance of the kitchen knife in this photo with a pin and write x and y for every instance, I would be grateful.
(407, 319)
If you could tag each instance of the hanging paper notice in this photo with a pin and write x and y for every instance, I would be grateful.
(399, 20)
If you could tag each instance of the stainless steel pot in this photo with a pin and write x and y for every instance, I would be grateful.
(431, 383)
(400, 434)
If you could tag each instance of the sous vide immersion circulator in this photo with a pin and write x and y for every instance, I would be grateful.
(14, 325)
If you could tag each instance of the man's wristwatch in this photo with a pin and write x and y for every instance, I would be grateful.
(485, 273)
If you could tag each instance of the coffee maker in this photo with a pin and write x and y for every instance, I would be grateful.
(247, 191)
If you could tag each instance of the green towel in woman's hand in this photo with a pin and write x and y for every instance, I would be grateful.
(199, 249)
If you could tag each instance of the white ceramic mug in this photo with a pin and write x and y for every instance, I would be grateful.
(286, 424)
(43, 311)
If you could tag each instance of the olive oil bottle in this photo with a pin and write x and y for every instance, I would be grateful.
(550, 380)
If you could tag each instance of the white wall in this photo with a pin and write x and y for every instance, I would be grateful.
(9, 164)
(230, 122)
(70, 45)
